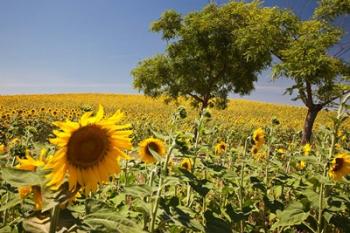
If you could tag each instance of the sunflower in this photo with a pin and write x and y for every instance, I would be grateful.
(149, 144)
(2, 149)
(260, 156)
(31, 164)
(259, 137)
(186, 164)
(220, 148)
(340, 166)
(301, 165)
(281, 151)
(254, 150)
(307, 149)
(343, 138)
(337, 146)
(88, 150)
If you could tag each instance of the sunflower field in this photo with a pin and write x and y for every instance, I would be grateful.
(127, 163)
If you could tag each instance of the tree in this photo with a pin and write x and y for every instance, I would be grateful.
(212, 52)
(319, 77)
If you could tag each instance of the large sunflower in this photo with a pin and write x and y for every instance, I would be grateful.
(88, 150)
(31, 164)
(340, 166)
(259, 137)
(149, 144)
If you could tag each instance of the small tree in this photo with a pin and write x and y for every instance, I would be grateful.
(211, 53)
(319, 77)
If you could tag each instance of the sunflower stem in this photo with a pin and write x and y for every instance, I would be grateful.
(241, 184)
(188, 197)
(203, 211)
(126, 172)
(163, 172)
(322, 186)
(155, 208)
(165, 166)
(8, 194)
(54, 219)
(320, 210)
(151, 178)
(308, 226)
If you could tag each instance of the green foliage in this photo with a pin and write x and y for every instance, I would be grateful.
(212, 52)
(330, 9)
(19, 178)
(305, 59)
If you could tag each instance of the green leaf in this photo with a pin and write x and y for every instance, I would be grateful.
(277, 191)
(294, 214)
(93, 205)
(13, 202)
(201, 186)
(236, 216)
(171, 181)
(257, 184)
(6, 229)
(138, 190)
(141, 206)
(159, 135)
(273, 205)
(180, 215)
(19, 178)
(155, 154)
(35, 224)
(312, 196)
(110, 221)
(215, 224)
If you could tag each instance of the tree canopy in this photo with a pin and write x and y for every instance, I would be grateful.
(212, 52)
(319, 76)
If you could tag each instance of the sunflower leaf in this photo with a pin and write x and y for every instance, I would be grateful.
(109, 221)
(138, 190)
(15, 201)
(294, 214)
(19, 178)
(159, 135)
(155, 154)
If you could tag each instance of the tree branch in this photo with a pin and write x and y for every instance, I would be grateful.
(332, 99)
(196, 97)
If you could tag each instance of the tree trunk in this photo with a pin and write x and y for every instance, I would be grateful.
(309, 123)
(205, 104)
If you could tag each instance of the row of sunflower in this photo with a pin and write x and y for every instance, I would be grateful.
(175, 182)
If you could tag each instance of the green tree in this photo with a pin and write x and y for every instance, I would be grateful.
(319, 77)
(212, 52)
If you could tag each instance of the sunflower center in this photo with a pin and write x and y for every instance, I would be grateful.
(338, 164)
(257, 138)
(185, 165)
(152, 146)
(222, 147)
(87, 146)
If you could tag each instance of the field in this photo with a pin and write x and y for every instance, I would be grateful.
(165, 168)
(154, 112)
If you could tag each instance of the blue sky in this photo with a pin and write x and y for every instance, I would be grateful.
(91, 46)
